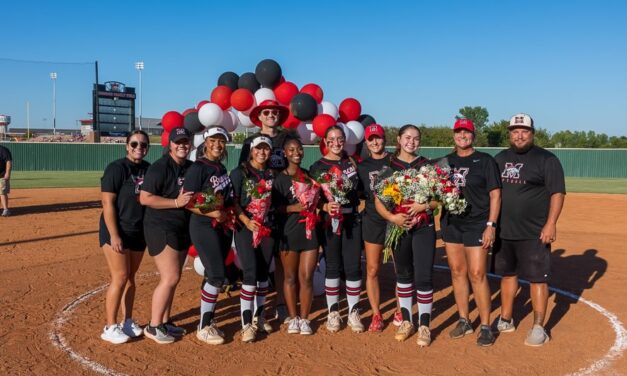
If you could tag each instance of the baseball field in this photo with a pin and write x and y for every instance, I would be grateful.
(53, 276)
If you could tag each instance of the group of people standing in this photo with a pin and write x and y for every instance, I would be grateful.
(520, 193)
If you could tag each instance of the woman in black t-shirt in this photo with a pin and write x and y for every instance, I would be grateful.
(166, 225)
(469, 236)
(343, 251)
(212, 241)
(299, 255)
(122, 234)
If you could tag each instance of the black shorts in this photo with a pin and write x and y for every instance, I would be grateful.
(373, 228)
(468, 234)
(528, 259)
(291, 235)
(157, 239)
(133, 240)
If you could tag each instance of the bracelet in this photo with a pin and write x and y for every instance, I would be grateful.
(176, 203)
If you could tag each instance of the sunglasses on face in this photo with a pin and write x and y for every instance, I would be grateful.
(270, 112)
(182, 142)
(135, 144)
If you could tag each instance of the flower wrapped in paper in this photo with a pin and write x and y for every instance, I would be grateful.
(335, 187)
(307, 192)
(206, 201)
(259, 206)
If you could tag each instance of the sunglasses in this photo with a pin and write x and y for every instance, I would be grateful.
(135, 144)
(184, 141)
(270, 112)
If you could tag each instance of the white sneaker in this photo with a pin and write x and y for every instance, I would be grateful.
(354, 321)
(131, 329)
(293, 327)
(305, 329)
(211, 334)
(334, 322)
(262, 325)
(114, 334)
(249, 332)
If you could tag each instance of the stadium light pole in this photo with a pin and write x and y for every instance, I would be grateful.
(140, 67)
(53, 77)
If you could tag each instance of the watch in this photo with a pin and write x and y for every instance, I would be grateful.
(492, 224)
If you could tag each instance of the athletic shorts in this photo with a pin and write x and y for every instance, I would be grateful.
(157, 239)
(373, 228)
(131, 240)
(5, 186)
(468, 234)
(527, 259)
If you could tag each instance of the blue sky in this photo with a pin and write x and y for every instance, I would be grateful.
(563, 62)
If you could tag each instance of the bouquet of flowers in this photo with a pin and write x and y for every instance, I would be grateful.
(259, 206)
(404, 188)
(335, 186)
(307, 192)
(208, 201)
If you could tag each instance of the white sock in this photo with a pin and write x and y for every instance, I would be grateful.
(353, 289)
(332, 293)
(260, 297)
(425, 302)
(246, 297)
(405, 292)
(208, 299)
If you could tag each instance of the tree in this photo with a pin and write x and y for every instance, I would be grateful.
(479, 115)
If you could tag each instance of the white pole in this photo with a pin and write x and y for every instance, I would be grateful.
(140, 67)
(53, 77)
(27, 120)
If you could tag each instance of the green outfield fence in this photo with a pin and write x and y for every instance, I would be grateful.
(28, 156)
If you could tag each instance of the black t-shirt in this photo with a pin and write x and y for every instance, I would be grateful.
(348, 168)
(475, 175)
(368, 171)
(240, 174)
(125, 178)
(283, 195)
(277, 160)
(529, 179)
(204, 174)
(5, 156)
(165, 178)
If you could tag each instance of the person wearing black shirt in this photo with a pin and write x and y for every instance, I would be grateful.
(343, 251)
(533, 196)
(415, 252)
(372, 224)
(211, 240)
(166, 226)
(299, 255)
(255, 261)
(121, 235)
(469, 236)
(6, 163)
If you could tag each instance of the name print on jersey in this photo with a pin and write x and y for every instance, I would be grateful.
(459, 176)
(218, 183)
(511, 173)
(350, 171)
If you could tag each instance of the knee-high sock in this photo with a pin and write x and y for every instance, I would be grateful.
(246, 296)
(332, 292)
(425, 302)
(208, 298)
(353, 289)
(260, 297)
(405, 292)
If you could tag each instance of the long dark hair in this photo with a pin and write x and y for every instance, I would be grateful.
(225, 153)
(332, 128)
(137, 131)
(402, 131)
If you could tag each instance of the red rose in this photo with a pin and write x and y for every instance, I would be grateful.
(260, 190)
(200, 199)
(327, 177)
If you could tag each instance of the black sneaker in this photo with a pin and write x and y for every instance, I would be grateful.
(485, 337)
(158, 334)
(463, 327)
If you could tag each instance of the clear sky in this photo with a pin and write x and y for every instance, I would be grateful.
(563, 62)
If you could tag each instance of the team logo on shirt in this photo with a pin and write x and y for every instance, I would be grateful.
(350, 171)
(180, 181)
(277, 159)
(511, 170)
(373, 176)
(459, 176)
(137, 181)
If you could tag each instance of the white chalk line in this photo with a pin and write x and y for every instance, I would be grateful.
(616, 351)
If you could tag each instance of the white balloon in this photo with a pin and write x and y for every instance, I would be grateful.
(264, 94)
(229, 121)
(244, 120)
(199, 267)
(329, 109)
(350, 148)
(318, 278)
(192, 155)
(199, 138)
(210, 114)
(306, 133)
(355, 132)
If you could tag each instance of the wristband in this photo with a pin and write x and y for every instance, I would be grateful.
(491, 224)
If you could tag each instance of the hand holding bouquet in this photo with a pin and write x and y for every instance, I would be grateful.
(259, 206)
(335, 186)
(308, 194)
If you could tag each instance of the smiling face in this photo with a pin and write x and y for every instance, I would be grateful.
(181, 148)
(137, 147)
(335, 141)
(375, 144)
(521, 139)
(260, 154)
(269, 117)
(294, 151)
(409, 140)
(463, 139)
(214, 147)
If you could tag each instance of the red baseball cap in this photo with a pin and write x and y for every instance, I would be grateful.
(464, 124)
(374, 130)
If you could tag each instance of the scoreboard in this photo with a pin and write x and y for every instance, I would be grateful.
(114, 109)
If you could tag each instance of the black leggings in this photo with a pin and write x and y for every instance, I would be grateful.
(213, 245)
(343, 252)
(255, 262)
(414, 256)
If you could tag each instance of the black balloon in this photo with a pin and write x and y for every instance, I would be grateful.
(191, 122)
(366, 120)
(249, 82)
(304, 107)
(268, 73)
(229, 79)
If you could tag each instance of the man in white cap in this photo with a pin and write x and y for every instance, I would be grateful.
(532, 198)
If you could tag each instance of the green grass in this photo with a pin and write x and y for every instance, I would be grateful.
(61, 179)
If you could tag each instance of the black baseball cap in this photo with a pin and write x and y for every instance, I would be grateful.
(177, 134)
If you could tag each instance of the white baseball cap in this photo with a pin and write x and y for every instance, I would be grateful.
(521, 121)
(215, 131)
(261, 140)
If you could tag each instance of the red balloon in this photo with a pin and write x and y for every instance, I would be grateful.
(230, 257)
(221, 96)
(188, 111)
(192, 252)
(171, 120)
(321, 123)
(200, 104)
(242, 99)
(323, 148)
(349, 109)
(285, 92)
(291, 122)
(165, 138)
(313, 90)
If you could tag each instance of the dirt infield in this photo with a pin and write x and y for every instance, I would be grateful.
(52, 276)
